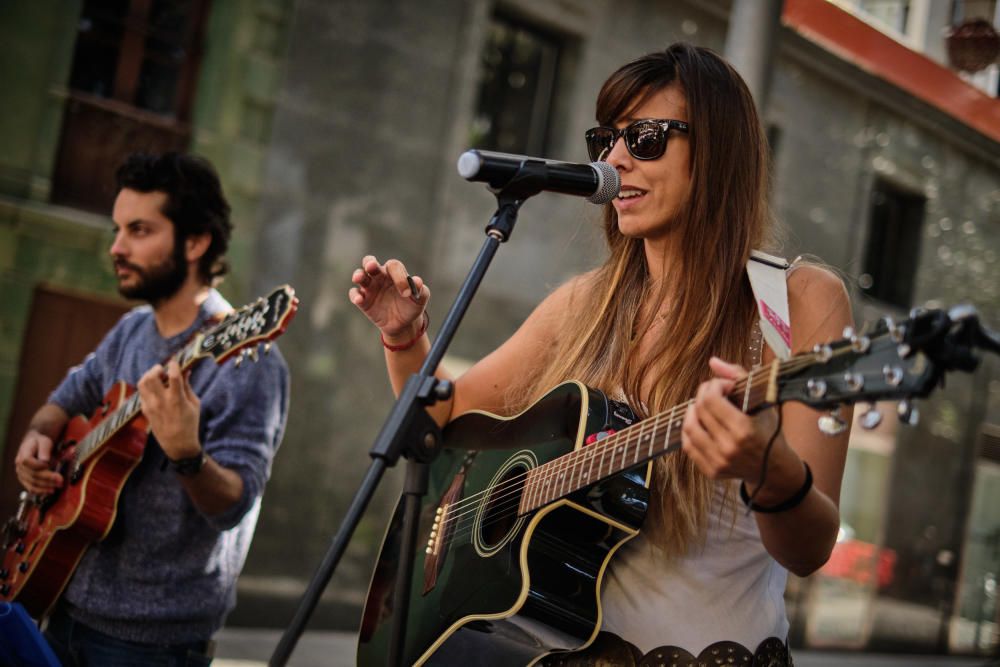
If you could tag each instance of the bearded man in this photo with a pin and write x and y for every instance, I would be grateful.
(157, 588)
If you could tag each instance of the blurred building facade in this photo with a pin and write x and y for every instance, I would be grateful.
(336, 125)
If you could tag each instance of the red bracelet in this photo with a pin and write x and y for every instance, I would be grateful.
(407, 345)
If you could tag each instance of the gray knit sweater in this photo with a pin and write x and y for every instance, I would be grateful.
(167, 573)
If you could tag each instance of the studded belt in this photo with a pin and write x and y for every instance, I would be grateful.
(609, 649)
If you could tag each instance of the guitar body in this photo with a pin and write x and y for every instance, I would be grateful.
(503, 589)
(45, 541)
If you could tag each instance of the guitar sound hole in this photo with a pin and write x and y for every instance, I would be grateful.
(501, 508)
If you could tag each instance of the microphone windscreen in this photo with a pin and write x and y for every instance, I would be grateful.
(608, 183)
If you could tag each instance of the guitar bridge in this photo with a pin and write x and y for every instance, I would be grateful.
(437, 543)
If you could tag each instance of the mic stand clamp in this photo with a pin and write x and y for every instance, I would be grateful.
(528, 181)
(411, 432)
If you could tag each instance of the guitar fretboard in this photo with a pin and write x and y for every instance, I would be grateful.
(126, 411)
(627, 448)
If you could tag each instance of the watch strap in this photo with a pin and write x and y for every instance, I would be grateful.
(190, 466)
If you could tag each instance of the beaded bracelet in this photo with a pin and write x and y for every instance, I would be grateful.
(407, 345)
(783, 506)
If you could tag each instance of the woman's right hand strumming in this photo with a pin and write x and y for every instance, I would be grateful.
(392, 299)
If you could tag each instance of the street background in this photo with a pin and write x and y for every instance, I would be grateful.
(336, 125)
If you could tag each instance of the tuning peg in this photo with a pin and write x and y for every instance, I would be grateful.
(895, 330)
(238, 361)
(253, 354)
(963, 311)
(860, 343)
(871, 417)
(893, 375)
(816, 388)
(854, 381)
(823, 352)
(848, 332)
(833, 423)
(908, 413)
(267, 347)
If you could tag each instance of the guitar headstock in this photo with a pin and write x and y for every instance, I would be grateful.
(259, 322)
(892, 361)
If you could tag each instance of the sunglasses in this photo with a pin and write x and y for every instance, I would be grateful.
(645, 139)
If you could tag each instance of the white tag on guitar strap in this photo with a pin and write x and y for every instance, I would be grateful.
(770, 290)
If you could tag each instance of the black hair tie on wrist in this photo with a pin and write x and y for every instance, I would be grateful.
(795, 500)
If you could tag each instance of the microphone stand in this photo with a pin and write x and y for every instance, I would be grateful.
(409, 431)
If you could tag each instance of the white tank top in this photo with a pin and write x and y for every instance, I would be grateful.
(727, 588)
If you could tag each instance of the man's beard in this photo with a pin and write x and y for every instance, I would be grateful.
(158, 282)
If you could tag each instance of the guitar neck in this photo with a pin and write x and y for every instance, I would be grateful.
(650, 438)
(126, 411)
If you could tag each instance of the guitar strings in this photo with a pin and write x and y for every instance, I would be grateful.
(460, 527)
(509, 493)
(122, 414)
(571, 462)
(130, 406)
(508, 501)
(581, 456)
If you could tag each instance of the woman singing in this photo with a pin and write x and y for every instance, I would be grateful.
(671, 316)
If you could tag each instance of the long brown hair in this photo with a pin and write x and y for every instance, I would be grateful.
(711, 307)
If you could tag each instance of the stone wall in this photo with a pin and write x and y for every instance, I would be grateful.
(374, 112)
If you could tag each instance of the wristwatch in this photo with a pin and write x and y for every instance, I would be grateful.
(190, 466)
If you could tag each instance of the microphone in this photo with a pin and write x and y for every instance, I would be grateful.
(597, 181)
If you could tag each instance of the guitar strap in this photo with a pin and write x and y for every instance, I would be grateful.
(767, 275)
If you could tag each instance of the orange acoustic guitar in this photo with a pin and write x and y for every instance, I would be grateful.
(45, 539)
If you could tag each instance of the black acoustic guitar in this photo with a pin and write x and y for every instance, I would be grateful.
(523, 514)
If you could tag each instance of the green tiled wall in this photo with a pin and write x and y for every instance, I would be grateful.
(43, 244)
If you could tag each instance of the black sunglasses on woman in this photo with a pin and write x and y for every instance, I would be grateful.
(645, 139)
